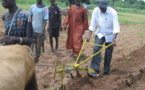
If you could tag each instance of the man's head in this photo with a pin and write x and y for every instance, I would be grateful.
(8, 3)
(52, 2)
(78, 2)
(39, 1)
(103, 4)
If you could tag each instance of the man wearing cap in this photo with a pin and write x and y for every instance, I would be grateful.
(106, 19)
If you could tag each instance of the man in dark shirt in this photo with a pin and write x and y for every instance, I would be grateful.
(17, 24)
(54, 24)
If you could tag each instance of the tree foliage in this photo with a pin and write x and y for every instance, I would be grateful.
(71, 2)
(130, 4)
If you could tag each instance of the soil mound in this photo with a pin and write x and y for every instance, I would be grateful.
(81, 83)
(128, 71)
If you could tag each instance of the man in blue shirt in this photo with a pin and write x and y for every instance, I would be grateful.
(39, 14)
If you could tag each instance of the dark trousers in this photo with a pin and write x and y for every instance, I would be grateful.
(95, 63)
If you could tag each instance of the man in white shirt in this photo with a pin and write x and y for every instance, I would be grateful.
(106, 19)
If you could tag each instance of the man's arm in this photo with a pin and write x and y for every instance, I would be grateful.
(44, 26)
(92, 25)
(89, 36)
(46, 16)
(8, 40)
(24, 40)
(116, 26)
(85, 17)
(60, 20)
(115, 36)
(66, 20)
(29, 32)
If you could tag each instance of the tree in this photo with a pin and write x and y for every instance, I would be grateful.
(71, 2)
(113, 3)
(132, 1)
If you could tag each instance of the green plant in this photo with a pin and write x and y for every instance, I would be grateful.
(128, 58)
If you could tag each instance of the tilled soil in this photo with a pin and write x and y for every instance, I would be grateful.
(127, 67)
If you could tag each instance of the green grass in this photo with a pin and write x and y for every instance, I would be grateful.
(123, 17)
(128, 58)
(128, 18)
(131, 18)
(130, 15)
(130, 10)
(89, 17)
(129, 21)
(141, 33)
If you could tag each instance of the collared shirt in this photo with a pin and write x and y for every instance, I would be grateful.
(39, 15)
(107, 23)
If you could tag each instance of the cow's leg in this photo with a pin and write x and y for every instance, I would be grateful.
(32, 84)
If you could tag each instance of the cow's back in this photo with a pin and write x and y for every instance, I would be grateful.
(16, 67)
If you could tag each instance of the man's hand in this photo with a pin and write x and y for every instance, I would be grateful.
(64, 27)
(8, 40)
(88, 38)
(60, 28)
(43, 33)
(114, 43)
(48, 29)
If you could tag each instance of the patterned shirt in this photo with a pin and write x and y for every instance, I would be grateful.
(21, 27)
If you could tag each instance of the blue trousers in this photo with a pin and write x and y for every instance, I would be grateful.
(95, 63)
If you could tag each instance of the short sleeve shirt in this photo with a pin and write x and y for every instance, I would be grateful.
(38, 17)
(54, 15)
(21, 26)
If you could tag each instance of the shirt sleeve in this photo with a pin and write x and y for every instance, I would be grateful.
(66, 20)
(85, 17)
(116, 26)
(46, 13)
(30, 11)
(60, 13)
(93, 21)
(29, 27)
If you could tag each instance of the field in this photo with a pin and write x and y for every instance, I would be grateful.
(127, 67)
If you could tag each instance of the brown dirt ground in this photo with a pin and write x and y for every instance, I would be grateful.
(127, 67)
(127, 63)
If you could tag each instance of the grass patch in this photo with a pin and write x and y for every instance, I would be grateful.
(141, 33)
(129, 21)
(128, 58)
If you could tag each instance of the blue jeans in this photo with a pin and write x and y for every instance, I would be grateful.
(95, 63)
